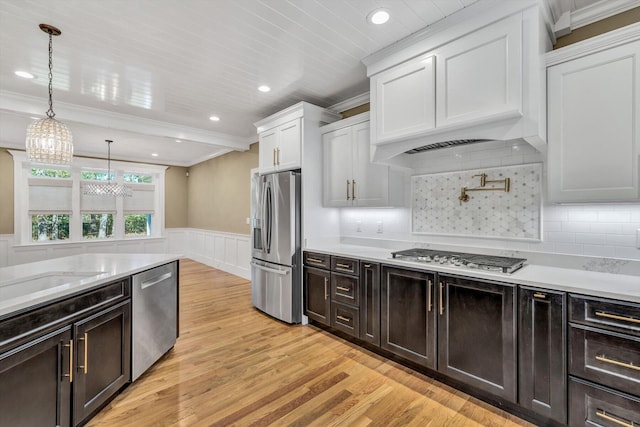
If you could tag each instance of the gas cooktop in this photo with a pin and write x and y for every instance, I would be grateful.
(461, 259)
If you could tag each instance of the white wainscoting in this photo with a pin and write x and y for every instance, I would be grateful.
(228, 252)
(225, 251)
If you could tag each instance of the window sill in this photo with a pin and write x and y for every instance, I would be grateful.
(84, 242)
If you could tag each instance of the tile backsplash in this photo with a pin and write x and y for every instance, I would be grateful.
(598, 230)
(436, 208)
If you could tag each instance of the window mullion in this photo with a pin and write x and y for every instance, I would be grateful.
(75, 223)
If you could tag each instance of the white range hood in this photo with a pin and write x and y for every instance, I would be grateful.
(476, 76)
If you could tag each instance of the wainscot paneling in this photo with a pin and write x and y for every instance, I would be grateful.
(225, 251)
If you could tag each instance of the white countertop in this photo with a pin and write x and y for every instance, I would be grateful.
(31, 284)
(617, 286)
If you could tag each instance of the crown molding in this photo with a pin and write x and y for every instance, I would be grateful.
(352, 102)
(599, 11)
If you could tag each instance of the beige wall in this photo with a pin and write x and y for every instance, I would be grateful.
(175, 197)
(219, 192)
(6, 192)
(600, 27)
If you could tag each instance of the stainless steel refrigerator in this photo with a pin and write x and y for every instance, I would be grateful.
(276, 286)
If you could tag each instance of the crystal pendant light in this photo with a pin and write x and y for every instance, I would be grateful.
(106, 188)
(48, 140)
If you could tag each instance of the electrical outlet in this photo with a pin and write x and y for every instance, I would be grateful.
(359, 226)
(248, 220)
(379, 226)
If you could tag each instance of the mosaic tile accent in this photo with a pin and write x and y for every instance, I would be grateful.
(513, 215)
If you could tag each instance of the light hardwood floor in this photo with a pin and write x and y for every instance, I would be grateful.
(233, 365)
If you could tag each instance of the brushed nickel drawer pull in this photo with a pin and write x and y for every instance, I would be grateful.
(344, 319)
(429, 295)
(348, 198)
(343, 265)
(441, 301)
(539, 295)
(617, 420)
(616, 317)
(315, 260)
(326, 295)
(353, 189)
(274, 157)
(342, 288)
(277, 157)
(605, 359)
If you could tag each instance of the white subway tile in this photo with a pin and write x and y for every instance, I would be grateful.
(599, 250)
(621, 240)
(630, 228)
(583, 215)
(552, 225)
(576, 227)
(560, 236)
(591, 238)
(568, 248)
(606, 228)
(627, 253)
(613, 216)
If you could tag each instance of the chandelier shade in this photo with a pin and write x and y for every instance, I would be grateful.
(49, 140)
(107, 188)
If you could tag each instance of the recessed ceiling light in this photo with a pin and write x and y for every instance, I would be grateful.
(24, 74)
(154, 154)
(378, 16)
(178, 141)
(264, 88)
(214, 118)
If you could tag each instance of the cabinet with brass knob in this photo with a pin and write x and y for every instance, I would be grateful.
(350, 179)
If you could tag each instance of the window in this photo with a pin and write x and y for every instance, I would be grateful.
(97, 226)
(54, 208)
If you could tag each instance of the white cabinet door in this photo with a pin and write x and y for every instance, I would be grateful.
(371, 180)
(480, 75)
(594, 121)
(404, 99)
(338, 159)
(288, 155)
(280, 148)
(268, 143)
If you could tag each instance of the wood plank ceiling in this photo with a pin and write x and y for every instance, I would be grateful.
(122, 67)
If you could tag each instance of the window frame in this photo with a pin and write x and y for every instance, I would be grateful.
(22, 217)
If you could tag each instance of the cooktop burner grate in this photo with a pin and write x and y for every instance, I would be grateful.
(458, 259)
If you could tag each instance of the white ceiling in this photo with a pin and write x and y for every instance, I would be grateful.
(147, 72)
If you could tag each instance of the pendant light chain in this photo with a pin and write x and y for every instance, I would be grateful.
(50, 112)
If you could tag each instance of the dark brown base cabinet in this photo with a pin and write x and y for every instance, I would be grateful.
(317, 304)
(477, 334)
(370, 302)
(35, 388)
(592, 405)
(408, 315)
(543, 355)
(60, 363)
(102, 359)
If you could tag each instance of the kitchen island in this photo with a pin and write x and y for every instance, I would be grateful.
(67, 345)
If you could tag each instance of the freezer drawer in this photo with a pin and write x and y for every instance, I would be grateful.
(155, 314)
(275, 291)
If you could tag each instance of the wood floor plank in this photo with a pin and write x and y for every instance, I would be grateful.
(233, 365)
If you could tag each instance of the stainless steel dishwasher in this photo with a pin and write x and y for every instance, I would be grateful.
(155, 315)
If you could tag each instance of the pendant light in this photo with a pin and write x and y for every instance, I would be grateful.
(48, 140)
(106, 188)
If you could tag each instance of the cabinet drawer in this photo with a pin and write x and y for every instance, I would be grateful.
(606, 358)
(595, 406)
(345, 289)
(345, 319)
(606, 314)
(345, 265)
(317, 260)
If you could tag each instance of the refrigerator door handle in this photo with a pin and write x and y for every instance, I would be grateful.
(263, 226)
(269, 216)
(270, 270)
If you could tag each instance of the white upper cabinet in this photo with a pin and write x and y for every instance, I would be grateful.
(480, 75)
(350, 179)
(283, 136)
(404, 98)
(594, 123)
(280, 148)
